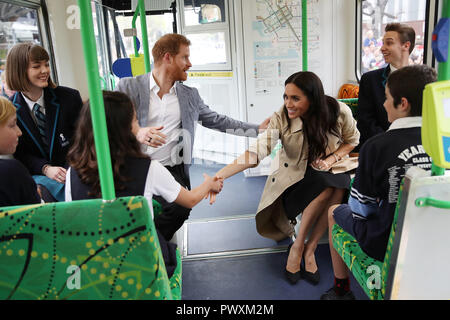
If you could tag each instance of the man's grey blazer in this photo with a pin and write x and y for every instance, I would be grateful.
(192, 109)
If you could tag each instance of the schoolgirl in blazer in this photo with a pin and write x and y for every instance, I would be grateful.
(62, 107)
(46, 113)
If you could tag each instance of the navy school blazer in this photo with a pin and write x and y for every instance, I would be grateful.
(371, 115)
(62, 109)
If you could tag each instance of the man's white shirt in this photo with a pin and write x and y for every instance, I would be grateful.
(164, 112)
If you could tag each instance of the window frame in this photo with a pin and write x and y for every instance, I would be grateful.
(43, 28)
(210, 28)
(359, 35)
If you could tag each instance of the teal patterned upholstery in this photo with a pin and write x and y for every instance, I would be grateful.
(89, 250)
(365, 269)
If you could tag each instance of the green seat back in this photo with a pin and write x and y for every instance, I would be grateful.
(114, 245)
(353, 104)
(175, 280)
(370, 273)
(157, 208)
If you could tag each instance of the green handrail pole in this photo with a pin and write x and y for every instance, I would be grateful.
(144, 35)
(443, 74)
(305, 35)
(96, 101)
(133, 25)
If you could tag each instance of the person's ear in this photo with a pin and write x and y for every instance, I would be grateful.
(407, 45)
(405, 106)
(167, 57)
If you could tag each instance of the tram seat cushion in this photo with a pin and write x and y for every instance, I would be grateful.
(89, 250)
(157, 208)
(370, 273)
(357, 261)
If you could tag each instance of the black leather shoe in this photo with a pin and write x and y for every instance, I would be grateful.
(312, 278)
(293, 278)
(332, 295)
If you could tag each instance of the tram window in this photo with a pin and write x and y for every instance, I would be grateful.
(205, 23)
(208, 48)
(102, 52)
(17, 24)
(375, 15)
(199, 12)
(157, 26)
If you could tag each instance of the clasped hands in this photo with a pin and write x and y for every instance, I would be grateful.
(216, 185)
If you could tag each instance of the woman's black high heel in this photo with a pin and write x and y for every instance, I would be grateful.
(312, 278)
(293, 278)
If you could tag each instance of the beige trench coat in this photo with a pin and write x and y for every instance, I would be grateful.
(292, 160)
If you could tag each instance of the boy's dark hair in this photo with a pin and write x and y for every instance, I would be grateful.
(409, 82)
(405, 33)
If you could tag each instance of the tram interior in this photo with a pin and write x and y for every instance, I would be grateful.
(223, 257)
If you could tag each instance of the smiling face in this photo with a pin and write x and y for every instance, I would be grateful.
(295, 101)
(9, 133)
(394, 52)
(38, 73)
(180, 63)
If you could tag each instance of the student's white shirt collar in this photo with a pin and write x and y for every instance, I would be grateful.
(155, 88)
(392, 68)
(31, 103)
(407, 122)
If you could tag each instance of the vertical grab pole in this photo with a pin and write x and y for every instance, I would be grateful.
(144, 35)
(96, 102)
(305, 35)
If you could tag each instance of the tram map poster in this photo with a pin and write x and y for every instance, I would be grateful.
(277, 41)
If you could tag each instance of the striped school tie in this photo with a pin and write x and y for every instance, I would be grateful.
(40, 122)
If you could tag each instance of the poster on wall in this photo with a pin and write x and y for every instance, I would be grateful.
(277, 41)
(273, 52)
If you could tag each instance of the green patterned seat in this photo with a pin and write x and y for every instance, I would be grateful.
(353, 104)
(157, 208)
(366, 270)
(113, 245)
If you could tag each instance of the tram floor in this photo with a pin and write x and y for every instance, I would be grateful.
(257, 277)
(224, 258)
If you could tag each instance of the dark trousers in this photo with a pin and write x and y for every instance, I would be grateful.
(173, 215)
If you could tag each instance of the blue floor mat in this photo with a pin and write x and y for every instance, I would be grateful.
(259, 277)
(240, 195)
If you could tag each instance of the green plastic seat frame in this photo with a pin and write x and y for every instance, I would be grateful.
(114, 245)
(360, 264)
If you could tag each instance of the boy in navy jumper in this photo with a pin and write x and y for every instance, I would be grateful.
(383, 161)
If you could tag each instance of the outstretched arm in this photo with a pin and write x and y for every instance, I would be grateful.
(245, 161)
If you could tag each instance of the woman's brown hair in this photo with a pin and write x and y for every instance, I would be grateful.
(17, 62)
(82, 156)
(322, 115)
